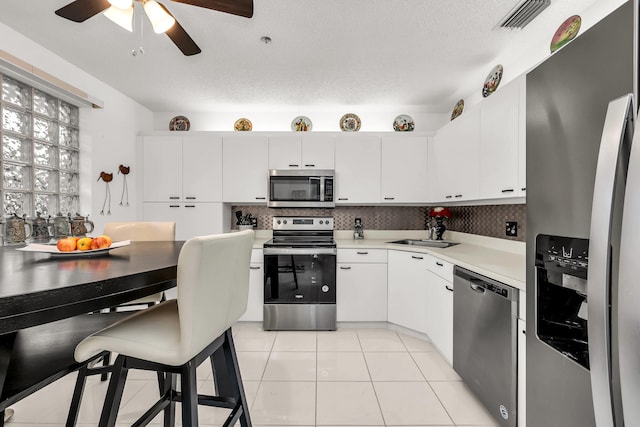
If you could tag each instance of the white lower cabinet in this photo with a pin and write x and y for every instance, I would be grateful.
(407, 282)
(255, 300)
(361, 285)
(192, 219)
(439, 306)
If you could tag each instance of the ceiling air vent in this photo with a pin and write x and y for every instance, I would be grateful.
(523, 13)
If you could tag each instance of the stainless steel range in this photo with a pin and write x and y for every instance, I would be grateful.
(300, 275)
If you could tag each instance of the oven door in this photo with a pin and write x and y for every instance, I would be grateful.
(300, 276)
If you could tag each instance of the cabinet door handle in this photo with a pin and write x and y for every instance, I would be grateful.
(310, 166)
(343, 198)
(362, 253)
(458, 195)
(254, 268)
(189, 206)
(293, 166)
(190, 197)
(174, 206)
(389, 198)
(416, 257)
(439, 264)
(448, 288)
(523, 189)
(174, 198)
(345, 268)
(508, 190)
(260, 198)
(448, 197)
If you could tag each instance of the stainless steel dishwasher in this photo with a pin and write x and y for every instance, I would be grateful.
(485, 343)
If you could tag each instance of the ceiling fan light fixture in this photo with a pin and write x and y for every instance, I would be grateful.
(122, 17)
(160, 19)
(121, 4)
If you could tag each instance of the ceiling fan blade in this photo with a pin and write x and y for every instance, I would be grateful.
(235, 7)
(81, 10)
(179, 36)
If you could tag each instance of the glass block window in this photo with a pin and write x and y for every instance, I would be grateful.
(40, 137)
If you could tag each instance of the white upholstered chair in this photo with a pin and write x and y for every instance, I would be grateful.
(142, 231)
(176, 336)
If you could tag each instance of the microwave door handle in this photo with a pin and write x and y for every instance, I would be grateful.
(614, 138)
(628, 315)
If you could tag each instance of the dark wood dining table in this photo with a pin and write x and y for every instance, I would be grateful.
(38, 290)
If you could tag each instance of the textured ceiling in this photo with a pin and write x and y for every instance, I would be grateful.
(325, 52)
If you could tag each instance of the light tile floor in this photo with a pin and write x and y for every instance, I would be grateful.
(359, 375)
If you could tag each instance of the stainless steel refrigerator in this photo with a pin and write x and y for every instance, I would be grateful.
(583, 231)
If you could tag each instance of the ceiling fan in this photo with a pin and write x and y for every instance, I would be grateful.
(121, 12)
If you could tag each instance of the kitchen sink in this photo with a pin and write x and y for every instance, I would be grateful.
(425, 243)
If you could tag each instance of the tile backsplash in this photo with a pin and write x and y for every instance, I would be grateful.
(486, 220)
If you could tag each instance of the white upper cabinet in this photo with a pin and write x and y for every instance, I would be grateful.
(404, 169)
(453, 160)
(357, 169)
(182, 168)
(301, 151)
(522, 138)
(500, 131)
(245, 168)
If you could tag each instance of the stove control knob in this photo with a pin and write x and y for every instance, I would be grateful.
(285, 221)
(279, 221)
(325, 288)
(321, 222)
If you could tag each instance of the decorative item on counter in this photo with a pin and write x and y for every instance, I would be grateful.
(124, 170)
(17, 229)
(457, 109)
(42, 228)
(179, 123)
(492, 81)
(358, 230)
(79, 225)
(107, 178)
(439, 214)
(350, 123)
(61, 226)
(566, 32)
(245, 222)
(403, 123)
(301, 124)
(242, 124)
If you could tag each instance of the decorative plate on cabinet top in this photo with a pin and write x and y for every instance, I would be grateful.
(457, 110)
(301, 124)
(243, 125)
(350, 123)
(179, 123)
(566, 32)
(403, 123)
(492, 81)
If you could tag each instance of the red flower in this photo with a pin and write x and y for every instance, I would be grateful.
(444, 212)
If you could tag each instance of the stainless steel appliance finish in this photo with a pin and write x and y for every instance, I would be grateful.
(301, 188)
(485, 343)
(300, 275)
(573, 197)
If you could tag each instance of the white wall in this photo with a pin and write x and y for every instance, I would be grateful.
(107, 136)
(327, 119)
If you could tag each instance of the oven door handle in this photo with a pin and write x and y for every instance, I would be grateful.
(300, 251)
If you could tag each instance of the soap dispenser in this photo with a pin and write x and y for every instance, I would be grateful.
(358, 231)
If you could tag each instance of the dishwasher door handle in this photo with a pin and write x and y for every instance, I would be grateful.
(477, 288)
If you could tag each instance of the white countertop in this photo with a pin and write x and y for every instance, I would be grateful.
(499, 259)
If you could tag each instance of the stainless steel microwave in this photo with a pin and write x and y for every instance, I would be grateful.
(301, 188)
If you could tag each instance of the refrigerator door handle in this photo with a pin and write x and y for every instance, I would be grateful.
(629, 291)
(619, 112)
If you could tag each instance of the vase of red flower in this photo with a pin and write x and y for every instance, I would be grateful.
(439, 214)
